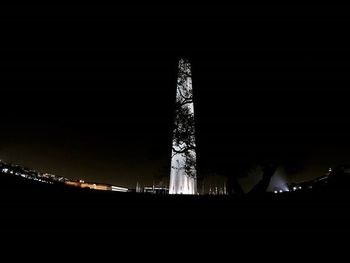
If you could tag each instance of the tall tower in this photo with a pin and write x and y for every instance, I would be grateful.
(183, 177)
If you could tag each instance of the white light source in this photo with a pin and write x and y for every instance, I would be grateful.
(119, 189)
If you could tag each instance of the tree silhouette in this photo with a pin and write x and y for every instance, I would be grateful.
(261, 187)
(184, 132)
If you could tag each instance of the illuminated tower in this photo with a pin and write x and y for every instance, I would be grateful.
(183, 178)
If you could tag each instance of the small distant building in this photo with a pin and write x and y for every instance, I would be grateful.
(119, 189)
(96, 186)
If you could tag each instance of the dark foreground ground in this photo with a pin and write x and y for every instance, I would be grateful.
(52, 222)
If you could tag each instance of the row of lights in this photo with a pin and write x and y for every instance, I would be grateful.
(280, 191)
(295, 188)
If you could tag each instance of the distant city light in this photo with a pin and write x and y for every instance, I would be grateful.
(46, 178)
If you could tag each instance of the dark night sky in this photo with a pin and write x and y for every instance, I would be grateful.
(88, 92)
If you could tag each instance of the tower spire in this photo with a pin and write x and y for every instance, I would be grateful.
(183, 177)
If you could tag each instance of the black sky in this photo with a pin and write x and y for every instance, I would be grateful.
(88, 92)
